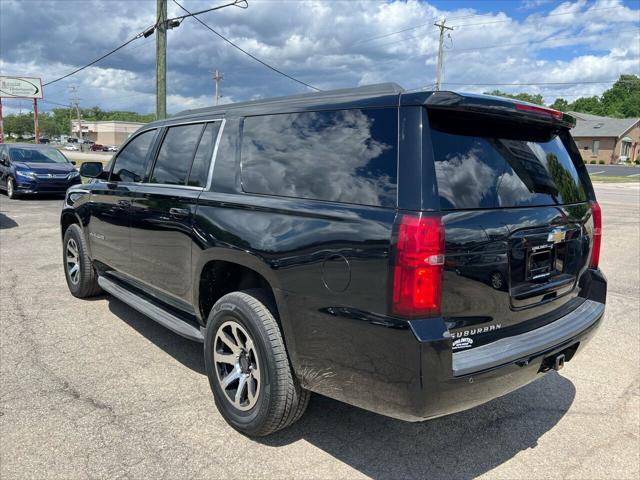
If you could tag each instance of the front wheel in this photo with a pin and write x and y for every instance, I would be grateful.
(82, 279)
(11, 190)
(247, 365)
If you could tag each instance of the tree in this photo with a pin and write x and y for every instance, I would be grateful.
(525, 97)
(623, 98)
(588, 105)
(560, 104)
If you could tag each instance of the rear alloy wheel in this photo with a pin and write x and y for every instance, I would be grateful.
(237, 365)
(248, 368)
(11, 192)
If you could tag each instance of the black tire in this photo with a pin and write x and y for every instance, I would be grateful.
(11, 189)
(83, 282)
(280, 400)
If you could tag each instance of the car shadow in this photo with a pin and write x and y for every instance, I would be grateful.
(7, 222)
(187, 352)
(463, 445)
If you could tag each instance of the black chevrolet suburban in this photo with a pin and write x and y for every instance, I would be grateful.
(413, 254)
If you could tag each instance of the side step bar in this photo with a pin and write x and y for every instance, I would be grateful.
(152, 311)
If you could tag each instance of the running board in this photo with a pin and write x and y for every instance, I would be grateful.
(152, 311)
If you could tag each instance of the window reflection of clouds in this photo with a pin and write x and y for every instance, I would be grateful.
(467, 178)
(322, 155)
(176, 154)
(478, 172)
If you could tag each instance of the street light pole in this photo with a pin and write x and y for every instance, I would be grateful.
(161, 60)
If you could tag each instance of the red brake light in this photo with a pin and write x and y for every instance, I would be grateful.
(418, 267)
(597, 234)
(539, 110)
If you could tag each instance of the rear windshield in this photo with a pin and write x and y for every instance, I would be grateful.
(483, 163)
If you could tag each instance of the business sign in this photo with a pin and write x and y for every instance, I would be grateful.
(21, 87)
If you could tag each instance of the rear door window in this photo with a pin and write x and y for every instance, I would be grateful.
(131, 162)
(176, 154)
(482, 164)
(346, 156)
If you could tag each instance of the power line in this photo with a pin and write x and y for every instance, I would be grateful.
(528, 42)
(247, 53)
(170, 22)
(474, 24)
(541, 18)
(139, 35)
(529, 84)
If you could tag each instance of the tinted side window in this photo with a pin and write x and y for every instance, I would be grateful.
(481, 164)
(131, 162)
(345, 156)
(176, 154)
(200, 168)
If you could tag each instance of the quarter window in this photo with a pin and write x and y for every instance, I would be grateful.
(130, 164)
(176, 154)
(345, 156)
(200, 168)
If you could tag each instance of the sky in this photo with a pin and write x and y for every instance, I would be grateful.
(328, 44)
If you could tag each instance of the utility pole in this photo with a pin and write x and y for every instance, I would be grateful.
(161, 60)
(217, 77)
(442, 28)
(76, 101)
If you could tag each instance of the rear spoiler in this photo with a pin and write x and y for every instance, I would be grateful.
(499, 107)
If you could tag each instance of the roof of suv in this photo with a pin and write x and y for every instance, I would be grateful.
(372, 96)
(383, 94)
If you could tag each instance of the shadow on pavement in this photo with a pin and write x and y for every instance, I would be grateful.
(460, 446)
(7, 222)
(185, 351)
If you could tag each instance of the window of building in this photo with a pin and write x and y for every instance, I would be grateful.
(131, 162)
(595, 147)
(344, 156)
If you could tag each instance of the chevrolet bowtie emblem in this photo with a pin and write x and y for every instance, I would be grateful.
(556, 235)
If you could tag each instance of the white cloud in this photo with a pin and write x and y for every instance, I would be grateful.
(329, 44)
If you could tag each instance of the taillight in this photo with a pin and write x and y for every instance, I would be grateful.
(549, 112)
(418, 266)
(597, 234)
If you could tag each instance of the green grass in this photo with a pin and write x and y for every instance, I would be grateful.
(602, 179)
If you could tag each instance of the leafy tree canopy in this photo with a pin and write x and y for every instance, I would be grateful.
(622, 100)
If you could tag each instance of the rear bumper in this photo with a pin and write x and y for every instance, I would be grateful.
(517, 347)
(479, 375)
(407, 369)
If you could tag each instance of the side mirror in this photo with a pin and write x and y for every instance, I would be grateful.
(91, 169)
(73, 162)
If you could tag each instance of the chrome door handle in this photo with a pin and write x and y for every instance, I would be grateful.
(179, 212)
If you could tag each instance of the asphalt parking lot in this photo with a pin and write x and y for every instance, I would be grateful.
(614, 171)
(92, 389)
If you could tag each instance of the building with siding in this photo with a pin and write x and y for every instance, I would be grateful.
(606, 139)
(111, 132)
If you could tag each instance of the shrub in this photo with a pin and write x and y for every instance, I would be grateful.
(601, 162)
(592, 162)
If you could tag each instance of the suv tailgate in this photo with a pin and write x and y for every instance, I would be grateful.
(516, 204)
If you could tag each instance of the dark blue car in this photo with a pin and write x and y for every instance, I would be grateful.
(28, 169)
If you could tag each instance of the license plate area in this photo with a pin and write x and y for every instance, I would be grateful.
(541, 262)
